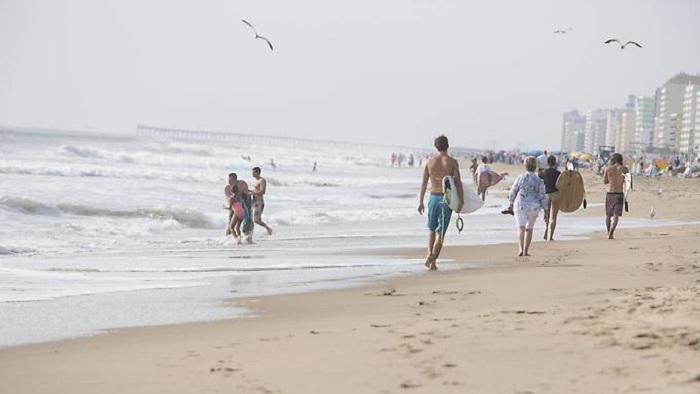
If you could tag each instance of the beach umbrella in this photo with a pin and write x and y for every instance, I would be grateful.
(584, 157)
(660, 163)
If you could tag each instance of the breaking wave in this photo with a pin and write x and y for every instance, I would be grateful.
(186, 217)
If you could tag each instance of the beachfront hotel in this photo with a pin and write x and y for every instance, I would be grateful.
(696, 131)
(596, 122)
(572, 131)
(667, 121)
(645, 112)
(626, 132)
(669, 114)
(689, 120)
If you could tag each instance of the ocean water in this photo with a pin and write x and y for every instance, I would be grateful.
(100, 232)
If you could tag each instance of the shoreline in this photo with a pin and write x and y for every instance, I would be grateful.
(411, 266)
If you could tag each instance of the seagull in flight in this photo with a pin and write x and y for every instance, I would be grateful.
(257, 36)
(563, 31)
(622, 46)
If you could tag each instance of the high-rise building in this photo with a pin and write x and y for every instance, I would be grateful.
(612, 122)
(695, 151)
(596, 121)
(626, 132)
(675, 123)
(670, 102)
(572, 129)
(645, 107)
(686, 142)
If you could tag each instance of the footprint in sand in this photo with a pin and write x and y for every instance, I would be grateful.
(443, 292)
(409, 385)
(431, 373)
(409, 349)
(225, 370)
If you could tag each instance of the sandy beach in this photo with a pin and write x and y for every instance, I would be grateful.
(590, 316)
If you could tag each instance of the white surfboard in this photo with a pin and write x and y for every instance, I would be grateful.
(472, 201)
(627, 188)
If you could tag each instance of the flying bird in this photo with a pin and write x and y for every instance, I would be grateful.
(563, 31)
(622, 46)
(257, 36)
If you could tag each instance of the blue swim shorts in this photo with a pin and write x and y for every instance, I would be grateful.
(439, 214)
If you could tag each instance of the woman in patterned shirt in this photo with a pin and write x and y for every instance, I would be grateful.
(527, 196)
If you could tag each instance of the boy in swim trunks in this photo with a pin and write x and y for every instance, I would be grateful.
(614, 177)
(439, 213)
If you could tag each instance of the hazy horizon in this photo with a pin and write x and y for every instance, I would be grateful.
(488, 75)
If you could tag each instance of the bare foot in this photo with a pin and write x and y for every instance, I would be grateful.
(526, 254)
(269, 231)
(430, 263)
(520, 254)
(545, 236)
(551, 239)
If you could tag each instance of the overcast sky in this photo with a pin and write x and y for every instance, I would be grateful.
(486, 73)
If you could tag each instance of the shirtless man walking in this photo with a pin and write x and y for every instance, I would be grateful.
(259, 189)
(439, 213)
(614, 177)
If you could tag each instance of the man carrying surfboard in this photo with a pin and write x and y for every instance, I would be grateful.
(614, 177)
(439, 212)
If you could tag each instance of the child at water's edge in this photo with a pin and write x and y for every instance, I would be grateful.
(238, 213)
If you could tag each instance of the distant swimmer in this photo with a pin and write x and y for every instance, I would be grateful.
(563, 31)
(257, 36)
(622, 46)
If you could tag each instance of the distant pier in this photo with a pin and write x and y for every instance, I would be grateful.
(199, 135)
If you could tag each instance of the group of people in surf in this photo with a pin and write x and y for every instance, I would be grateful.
(245, 206)
(532, 191)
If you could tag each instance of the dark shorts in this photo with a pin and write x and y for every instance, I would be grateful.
(258, 207)
(614, 203)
